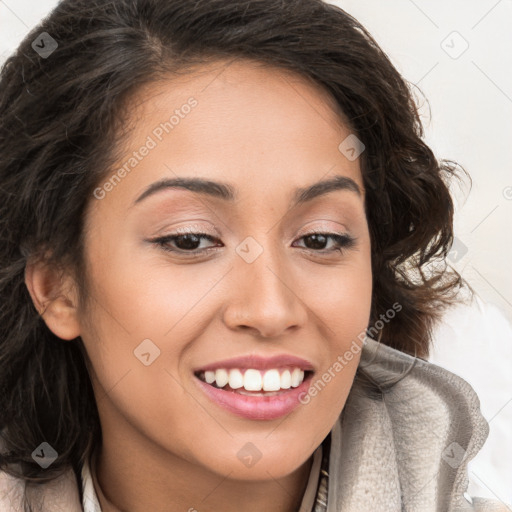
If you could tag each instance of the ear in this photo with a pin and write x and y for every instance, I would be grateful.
(55, 298)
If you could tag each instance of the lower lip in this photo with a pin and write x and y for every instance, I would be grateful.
(257, 407)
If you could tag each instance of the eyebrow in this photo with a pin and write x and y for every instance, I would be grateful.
(226, 192)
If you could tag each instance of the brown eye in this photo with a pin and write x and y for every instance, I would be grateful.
(188, 242)
(317, 241)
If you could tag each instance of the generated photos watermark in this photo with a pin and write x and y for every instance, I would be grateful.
(343, 359)
(157, 135)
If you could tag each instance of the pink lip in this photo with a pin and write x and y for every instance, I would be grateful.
(257, 407)
(259, 363)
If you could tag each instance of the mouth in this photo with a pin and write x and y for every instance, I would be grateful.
(255, 393)
(255, 382)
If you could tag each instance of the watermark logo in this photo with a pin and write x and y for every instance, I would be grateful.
(352, 147)
(249, 250)
(344, 359)
(44, 45)
(249, 455)
(151, 143)
(454, 45)
(454, 455)
(44, 455)
(146, 352)
(457, 251)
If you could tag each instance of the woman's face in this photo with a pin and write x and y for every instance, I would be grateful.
(164, 316)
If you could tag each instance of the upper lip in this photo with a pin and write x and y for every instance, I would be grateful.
(259, 363)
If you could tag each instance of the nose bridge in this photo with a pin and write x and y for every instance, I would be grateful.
(263, 295)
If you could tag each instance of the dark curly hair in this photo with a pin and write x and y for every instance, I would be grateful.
(61, 120)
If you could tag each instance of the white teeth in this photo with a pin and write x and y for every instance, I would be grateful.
(221, 377)
(255, 380)
(271, 381)
(297, 377)
(286, 379)
(252, 380)
(236, 379)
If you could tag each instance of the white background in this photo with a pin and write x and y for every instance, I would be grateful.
(470, 121)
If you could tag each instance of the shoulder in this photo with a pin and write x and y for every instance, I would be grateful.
(11, 492)
(422, 423)
(59, 495)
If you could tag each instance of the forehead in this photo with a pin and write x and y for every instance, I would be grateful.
(257, 127)
(242, 78)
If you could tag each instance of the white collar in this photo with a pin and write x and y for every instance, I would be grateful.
(90, 502)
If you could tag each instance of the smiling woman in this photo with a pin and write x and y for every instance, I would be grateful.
(190, 295)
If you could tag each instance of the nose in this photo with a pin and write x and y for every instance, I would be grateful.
(264, 298)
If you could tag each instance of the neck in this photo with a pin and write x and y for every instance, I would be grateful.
(132, 486)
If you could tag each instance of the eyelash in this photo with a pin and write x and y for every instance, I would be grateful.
(343, 242)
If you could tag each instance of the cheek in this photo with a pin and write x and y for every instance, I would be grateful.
(145, 313)
(343, 298)
(341, 302)
(345, 311)
(136, 297)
